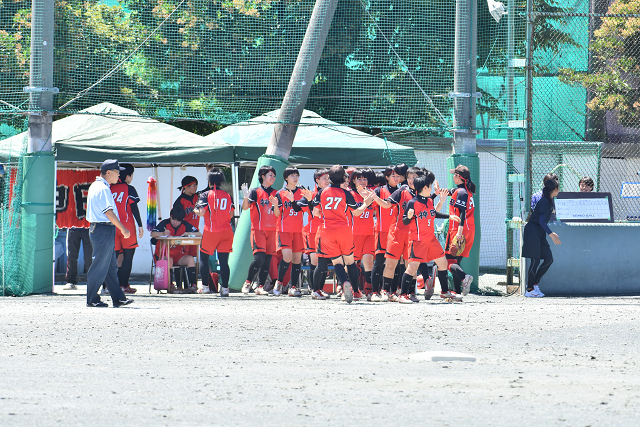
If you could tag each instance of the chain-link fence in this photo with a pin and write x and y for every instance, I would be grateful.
(593, 93)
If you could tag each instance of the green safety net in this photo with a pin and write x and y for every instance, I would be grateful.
(18, 229)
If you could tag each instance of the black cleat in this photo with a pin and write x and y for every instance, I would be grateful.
(122, 302)
(98, 304)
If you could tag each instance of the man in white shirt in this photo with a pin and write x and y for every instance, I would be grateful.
(102, 214)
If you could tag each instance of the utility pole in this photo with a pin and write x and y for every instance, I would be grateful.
(285, 130)
(510, 116)
(464, 93)
(39, 163)
(528, 158)
(464, 97)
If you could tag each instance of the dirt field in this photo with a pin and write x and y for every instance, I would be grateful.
(247, 360)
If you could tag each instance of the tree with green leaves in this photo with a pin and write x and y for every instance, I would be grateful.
(615, 64)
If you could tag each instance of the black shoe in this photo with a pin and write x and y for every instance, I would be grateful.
(98, 304)
(122, 302)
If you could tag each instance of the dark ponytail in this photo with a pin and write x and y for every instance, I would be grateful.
(549, 186)
(471, 186)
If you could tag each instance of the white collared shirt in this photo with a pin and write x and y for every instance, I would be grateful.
(99, 201)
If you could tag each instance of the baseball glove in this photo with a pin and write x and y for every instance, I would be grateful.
(457, 245)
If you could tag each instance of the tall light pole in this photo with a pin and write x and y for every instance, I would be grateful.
(39, 163)
(464, 93)
(510, 116)
(464, 97)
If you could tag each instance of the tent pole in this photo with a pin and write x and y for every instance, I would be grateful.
(171, 188)
(234, 192)
(156, 176)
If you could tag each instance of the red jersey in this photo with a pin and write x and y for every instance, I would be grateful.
(124, 195)
(291, 213)
(217, 205)
(400, 198)
(188, 203)
(461, 204)
(314, 223)
(262, 217)
(385, 216)
(334, 203)
(363, 225)
(421, 225)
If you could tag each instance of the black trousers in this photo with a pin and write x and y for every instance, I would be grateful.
(76, 237)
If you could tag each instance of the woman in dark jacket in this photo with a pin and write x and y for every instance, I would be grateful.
(535, 244)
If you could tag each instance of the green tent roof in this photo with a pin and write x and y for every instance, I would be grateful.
(107, 131)
(318, 142)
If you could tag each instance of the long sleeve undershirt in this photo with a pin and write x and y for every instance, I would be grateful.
(136, 214)
(543, 224)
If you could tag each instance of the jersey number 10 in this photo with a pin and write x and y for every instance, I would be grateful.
(221, 204)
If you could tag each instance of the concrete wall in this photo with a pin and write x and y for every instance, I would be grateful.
(594, 259)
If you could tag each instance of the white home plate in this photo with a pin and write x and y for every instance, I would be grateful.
(442, 356)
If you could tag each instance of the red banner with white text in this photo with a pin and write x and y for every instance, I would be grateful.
(72, 188)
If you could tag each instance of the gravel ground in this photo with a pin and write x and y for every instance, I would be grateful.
(248, 360)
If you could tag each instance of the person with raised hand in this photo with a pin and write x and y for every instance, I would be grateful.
(264, 209)
(335, 206)
(292, 199)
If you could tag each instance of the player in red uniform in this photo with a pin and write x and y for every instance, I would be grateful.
(364, 224)
(291, 200)
(461, 205)
(264, 212)
(420, 215)
(398, 237)
(178, 255)
(187, 201)
(309, 231)
(335, 242)
(402, 170)
(384, 219)
(363, 228)
(126, 198)
(216, 206)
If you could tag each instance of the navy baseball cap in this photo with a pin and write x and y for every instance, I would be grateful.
(109, 165)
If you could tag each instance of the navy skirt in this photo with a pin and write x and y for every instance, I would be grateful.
(535, 243)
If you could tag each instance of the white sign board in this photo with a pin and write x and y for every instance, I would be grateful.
(583, 209)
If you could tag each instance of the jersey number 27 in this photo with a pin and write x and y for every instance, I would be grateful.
(335, 201)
